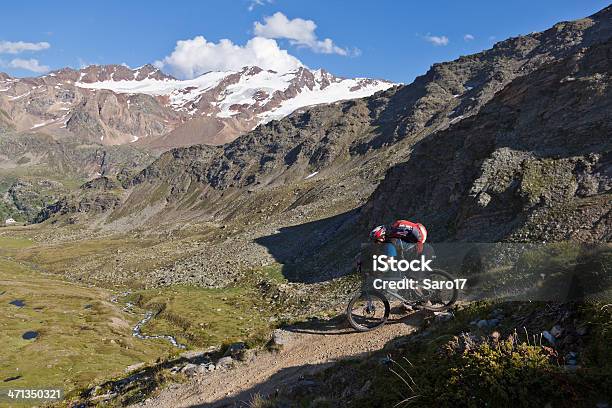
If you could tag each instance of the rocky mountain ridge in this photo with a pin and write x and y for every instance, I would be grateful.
(114, 104)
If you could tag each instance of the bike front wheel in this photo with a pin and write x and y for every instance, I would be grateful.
(368, 310)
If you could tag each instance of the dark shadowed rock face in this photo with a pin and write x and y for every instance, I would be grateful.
(534, 164)
(94, 202)
(100, 184)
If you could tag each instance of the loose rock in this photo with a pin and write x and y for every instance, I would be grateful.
(225, 362)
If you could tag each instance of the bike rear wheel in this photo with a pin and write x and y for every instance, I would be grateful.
(368, 310)
(439, 299)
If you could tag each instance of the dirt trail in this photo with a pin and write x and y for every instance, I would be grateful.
(309, 349)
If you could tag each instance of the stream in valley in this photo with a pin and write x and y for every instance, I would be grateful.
(137, 329)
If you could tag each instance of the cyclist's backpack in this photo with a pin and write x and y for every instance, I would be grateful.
(408, 231)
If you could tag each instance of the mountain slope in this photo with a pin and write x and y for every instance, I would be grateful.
(114, 104)
(36, 170)
(335, 140)
(291, 191)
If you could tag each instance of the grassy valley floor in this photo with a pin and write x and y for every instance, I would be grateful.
(81, 337)
(84, 333)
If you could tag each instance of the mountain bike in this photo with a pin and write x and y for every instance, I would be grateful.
(370, 308)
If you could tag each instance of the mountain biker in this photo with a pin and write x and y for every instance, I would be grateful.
(399, 240)
(401, 231)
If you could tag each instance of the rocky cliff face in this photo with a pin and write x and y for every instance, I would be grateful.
(71, 159)
(534, 164)
(452, 91)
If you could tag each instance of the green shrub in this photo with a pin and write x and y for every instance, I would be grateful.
(493, 375)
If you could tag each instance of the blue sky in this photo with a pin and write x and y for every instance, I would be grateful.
(395, 40)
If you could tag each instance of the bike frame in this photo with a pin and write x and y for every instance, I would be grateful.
(365, 288)
(396, 295)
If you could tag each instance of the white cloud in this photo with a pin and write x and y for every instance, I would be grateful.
(298, 31)
(436, 40)
(10, 47)
(29, 65)
(468, 37)
(196, 56)
(255, 3)
(193, 57)
(279, 26)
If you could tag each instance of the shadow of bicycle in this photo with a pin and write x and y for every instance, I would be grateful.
(338, 325)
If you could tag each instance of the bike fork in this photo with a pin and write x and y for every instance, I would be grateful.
(369, 305)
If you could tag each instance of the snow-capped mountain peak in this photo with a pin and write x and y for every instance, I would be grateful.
(124, 104)
(252, 92)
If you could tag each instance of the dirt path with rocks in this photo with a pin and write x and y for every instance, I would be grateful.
(308, 349)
